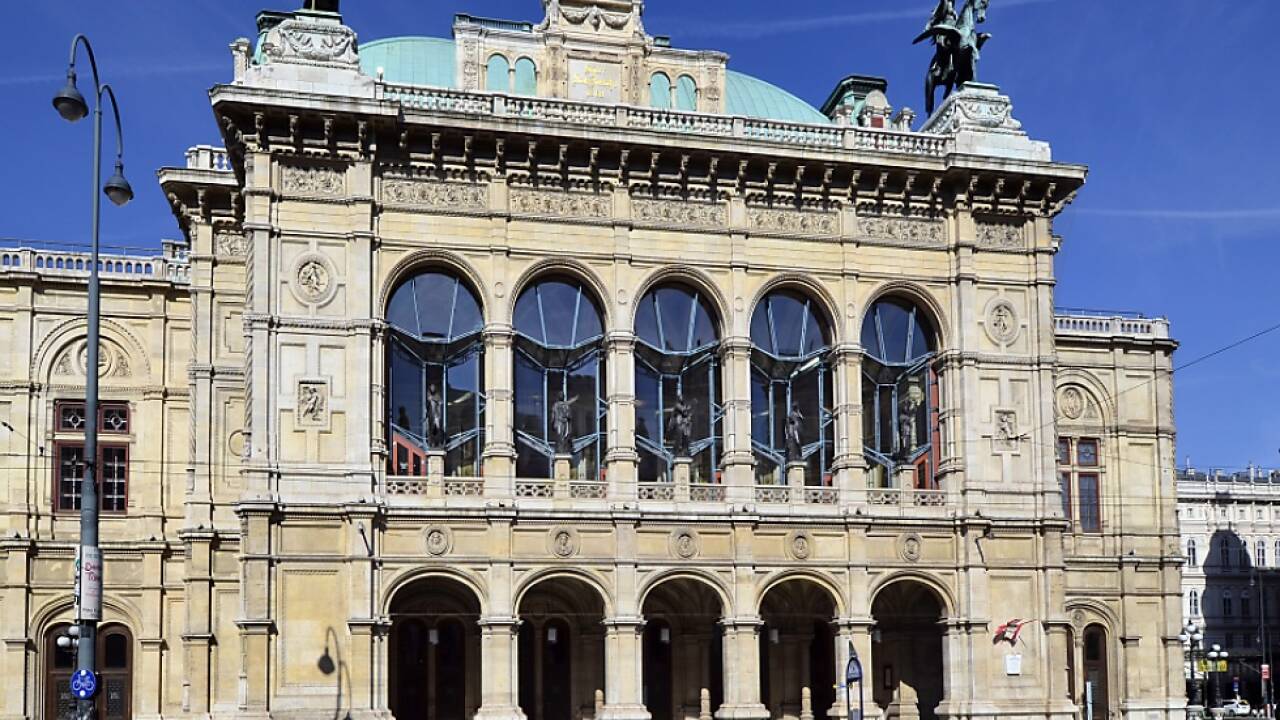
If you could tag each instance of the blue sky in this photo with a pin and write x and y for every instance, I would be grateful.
(1169, 101)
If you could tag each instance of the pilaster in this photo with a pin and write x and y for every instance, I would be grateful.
(622, 460)
(623, 667)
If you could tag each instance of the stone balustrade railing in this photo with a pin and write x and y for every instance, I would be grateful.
(173, 267)
(1111, 326)
(625, 117)
(208, 157)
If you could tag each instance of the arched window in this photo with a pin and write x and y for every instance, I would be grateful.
(1228, 608)
(1194, 603)
(1260, 550)
(660, 91)
(559, 380)
(900, 397)
(498, 75)
(1193, 556)
(678, 410)
(792, 398)
(435, 388)
(526, 77)
(686, 93)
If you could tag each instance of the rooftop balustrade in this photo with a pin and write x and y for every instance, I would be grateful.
(170, 265)
(1081, 323)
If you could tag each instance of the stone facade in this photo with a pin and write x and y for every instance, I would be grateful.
(291, 545)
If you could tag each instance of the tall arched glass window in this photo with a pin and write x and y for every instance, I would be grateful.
(1195, 604)
(1193, 555)
(1260, 550)
(435, 371)
(686, 93)
(660, 91)
(792, 399)
(526, 77)
(559, 380)
(678, 410)
(899, 395)
(498, 75)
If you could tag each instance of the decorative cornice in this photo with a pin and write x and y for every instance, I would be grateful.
(786, 221)
(679, 213)
(436, 195)
(910, 232)
(552, 203)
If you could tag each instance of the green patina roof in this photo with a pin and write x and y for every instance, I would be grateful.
(755, 98)
(411, 60)
(431, 61)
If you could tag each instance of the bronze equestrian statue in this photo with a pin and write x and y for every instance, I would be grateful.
(958, 47)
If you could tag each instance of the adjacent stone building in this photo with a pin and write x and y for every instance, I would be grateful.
(1231, 583)
(553, 372)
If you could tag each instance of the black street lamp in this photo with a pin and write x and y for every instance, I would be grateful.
(853, 674)
(1192, 637)
(1215, 654)
(71, 105)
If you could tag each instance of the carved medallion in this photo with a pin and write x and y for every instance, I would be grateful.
(439, 540)
(563, 542)
(1071, 403)
(312, 409)
(313, 280)
(910, 545)
(684, 543)
(1002, 322)
(800, 545)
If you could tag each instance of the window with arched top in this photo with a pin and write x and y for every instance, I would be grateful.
(498, 75)
(792, 394)
(560, 402)
(1228, 604)
(900, 395)
(660, 91)
(1193, 603)
(678, 407)
(435, 375)
(686, 93)
(526, 77)
(1193, 555)
(1260, 553)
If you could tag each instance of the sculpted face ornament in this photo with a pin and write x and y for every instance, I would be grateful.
(684, 544)
(564, 543)
(437, 541)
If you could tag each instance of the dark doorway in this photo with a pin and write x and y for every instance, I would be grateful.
(115, 656)
(1096, 679)
(561, 649)
(797, 648)
(906, 648)
(683, 649)
(435, 651)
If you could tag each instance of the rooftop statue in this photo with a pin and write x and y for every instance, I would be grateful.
(958, 46)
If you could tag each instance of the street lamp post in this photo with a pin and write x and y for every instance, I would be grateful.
(853, 674)
(1191, 636)
(71, 105)
(1215, 654)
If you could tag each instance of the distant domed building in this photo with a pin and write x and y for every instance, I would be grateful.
(552, 372)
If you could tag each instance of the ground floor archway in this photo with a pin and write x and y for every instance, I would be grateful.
(797, 648)
(434, 651)
(114, 654)
(561, 649)
(682, 649)
(1096, 689)
(907, 672)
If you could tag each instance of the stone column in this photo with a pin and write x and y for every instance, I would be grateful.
(849, 465)
(499, 416)
(742, 670)
(622, 461)
(499, 669)
(739, 462)
(623, 667)
(858, 632)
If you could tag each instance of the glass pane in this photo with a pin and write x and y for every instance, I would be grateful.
(686, 93)
(1087, 452)
(648, 423)
(496, 77)
(71, 417)
(114, 481)
(895, 327)
(697, 394)
(788, 314)
(115, 419)
(70, 476)
(434, 294)
(761, 416)
(913, 414)
(530, 398)
(869, 415)
(582, 397)
(1064, 451)
(589, 323)
(462, 399)
(761, 335)
(660, 91)
(1064, 487)
(870, 335)
(704, 328)
(674, 307)
(115, 652)
(406, 399)
(526, 77)
(402, 311)
(1090, 514)
(647, 321)
(815, 338)
(527, 319)
(559, 305)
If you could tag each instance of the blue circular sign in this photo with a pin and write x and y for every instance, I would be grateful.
(84, 684)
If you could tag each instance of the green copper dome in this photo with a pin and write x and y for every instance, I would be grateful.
(431, 61)
(411, 60)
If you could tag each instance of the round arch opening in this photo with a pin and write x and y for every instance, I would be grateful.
(798, 647)
(561, 648)
(435, 651)
(908, 667)
(682, 647)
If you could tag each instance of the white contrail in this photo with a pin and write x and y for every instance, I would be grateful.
(766, 28)
(1202, 215)
(147, 71)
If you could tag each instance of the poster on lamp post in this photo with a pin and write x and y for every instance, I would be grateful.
(89, 583)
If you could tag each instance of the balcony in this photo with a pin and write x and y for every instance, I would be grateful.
(1070, 322)
(172, 265)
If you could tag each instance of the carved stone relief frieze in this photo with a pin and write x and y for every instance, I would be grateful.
(113, 361)
(909, 232)
(1006, 431)
(316, 181)
(229, 242)
(551, 203)
(1000, 236)
(312, 409)
(677, 213)
(454, 196)
(793, 222)
(305, 41)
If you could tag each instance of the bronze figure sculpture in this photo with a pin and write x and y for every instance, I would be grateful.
(958, 47)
